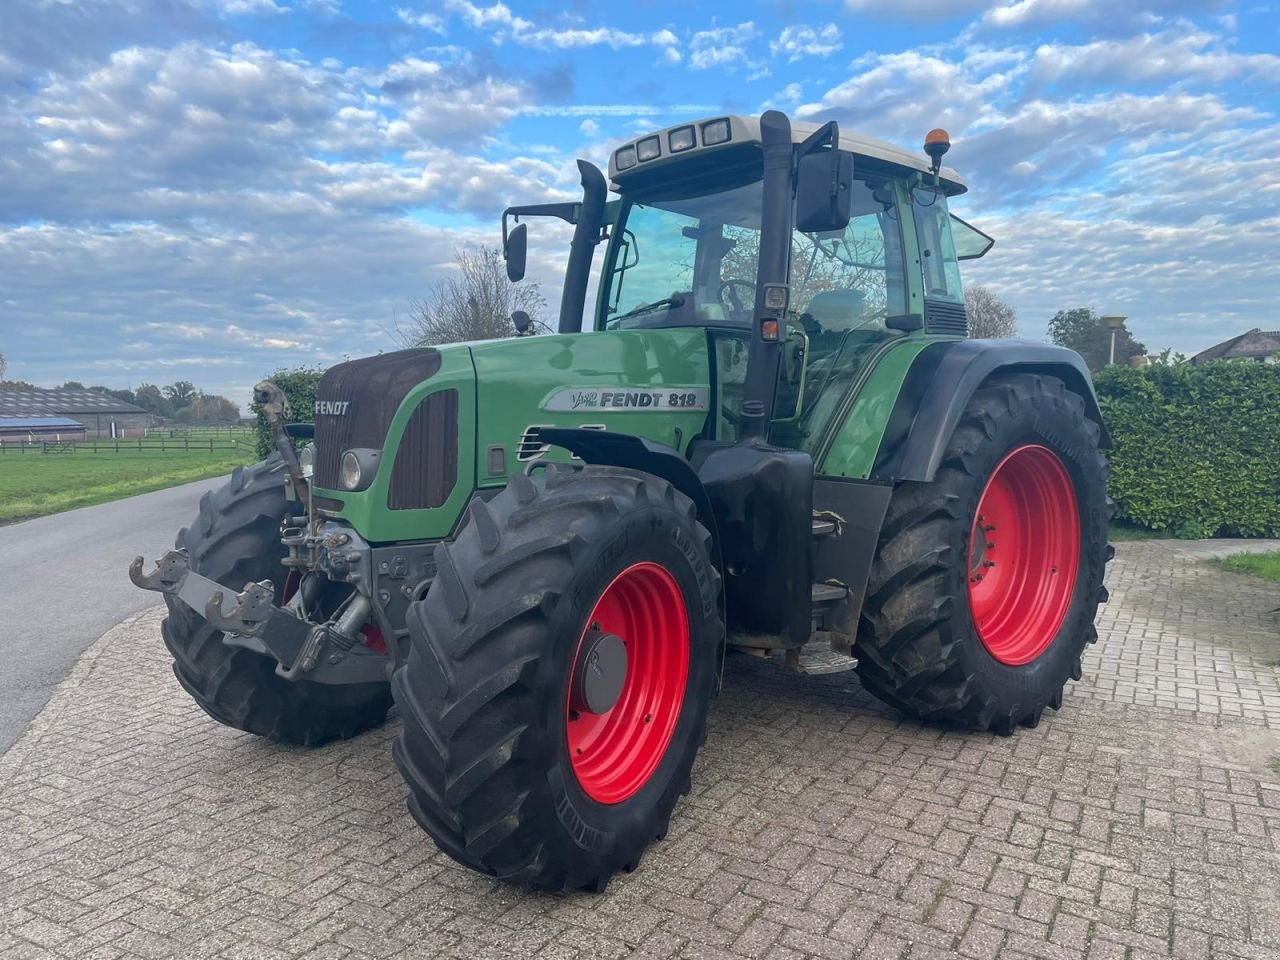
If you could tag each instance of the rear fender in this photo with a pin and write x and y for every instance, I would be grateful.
(940, 384)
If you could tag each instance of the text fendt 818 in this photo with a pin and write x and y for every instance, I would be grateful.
(774, 435)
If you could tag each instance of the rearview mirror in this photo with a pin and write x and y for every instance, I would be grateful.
(515, 250)
(824, 198)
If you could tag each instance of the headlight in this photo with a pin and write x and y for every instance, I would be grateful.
(350, 474)
(680, 139)
(648, 148)
(307, 460)
(715, 131)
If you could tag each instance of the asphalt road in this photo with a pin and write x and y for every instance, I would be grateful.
(64, 582)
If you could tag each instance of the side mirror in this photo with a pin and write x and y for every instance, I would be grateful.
(521, 320)
(515, 250)
(824, 194)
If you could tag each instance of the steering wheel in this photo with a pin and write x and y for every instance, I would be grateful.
(737, 312)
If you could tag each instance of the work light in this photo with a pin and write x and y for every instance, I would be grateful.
(648, 148)
(625, 158)
(680, 139)
(715, 131)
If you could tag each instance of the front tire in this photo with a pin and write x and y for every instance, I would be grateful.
(987, 580)
(518, 766)
(235, 540)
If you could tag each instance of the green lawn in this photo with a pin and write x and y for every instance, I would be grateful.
(1265, 565)
(35, 484)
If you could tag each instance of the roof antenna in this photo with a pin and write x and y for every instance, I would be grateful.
(936, 143)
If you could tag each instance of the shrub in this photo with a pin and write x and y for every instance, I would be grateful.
(299, 385)
(1196, 448)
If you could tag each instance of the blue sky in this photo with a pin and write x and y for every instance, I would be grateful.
(211, 189)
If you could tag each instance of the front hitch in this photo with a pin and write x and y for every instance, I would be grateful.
(295, 644)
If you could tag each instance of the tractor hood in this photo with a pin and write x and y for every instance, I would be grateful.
(433, 426)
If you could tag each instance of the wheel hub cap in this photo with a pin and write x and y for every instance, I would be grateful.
(599, 674)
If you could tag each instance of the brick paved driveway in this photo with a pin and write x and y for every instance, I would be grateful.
(1142, 821)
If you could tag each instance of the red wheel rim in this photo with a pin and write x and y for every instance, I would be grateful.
(1024, 553)
(614, 753)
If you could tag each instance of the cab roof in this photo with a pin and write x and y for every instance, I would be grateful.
(746, 131)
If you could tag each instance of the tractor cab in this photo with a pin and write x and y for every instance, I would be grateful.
(683, 249)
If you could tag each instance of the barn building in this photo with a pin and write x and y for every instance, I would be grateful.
(28, 429)
(100, 414)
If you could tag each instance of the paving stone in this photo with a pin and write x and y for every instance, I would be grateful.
(1143, 820)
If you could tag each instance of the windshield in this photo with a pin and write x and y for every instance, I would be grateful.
(691, 261)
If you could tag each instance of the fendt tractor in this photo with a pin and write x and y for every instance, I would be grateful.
(773, 438)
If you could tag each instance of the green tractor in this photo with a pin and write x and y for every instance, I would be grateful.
(773, 439)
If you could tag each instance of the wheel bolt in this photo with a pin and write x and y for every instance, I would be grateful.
(988, 563)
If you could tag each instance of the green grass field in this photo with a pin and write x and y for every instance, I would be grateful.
(1265, 565)
(34, 484)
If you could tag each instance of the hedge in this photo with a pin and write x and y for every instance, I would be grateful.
(1196, 448)
(299, 386)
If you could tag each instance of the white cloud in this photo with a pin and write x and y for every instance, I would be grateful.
(503, 26)
(1173, 54)
(797, 42)
(590, 128)
(722, 46)
(1028, 13)
(427, 21)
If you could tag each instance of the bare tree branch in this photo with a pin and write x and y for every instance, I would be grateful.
(989, 316)
(474, 304)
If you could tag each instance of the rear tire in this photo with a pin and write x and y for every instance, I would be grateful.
(235, 540)
(499, 769)
(920, 644)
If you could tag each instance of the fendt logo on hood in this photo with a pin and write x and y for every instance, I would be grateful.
(332, 408)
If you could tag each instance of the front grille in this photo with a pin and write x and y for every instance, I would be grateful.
(372, 389)
(427, 459)
(941, 316)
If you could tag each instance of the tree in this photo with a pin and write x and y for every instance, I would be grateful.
(4, 365)
(149, 398)
(180, 393)
(474, 304)
(989, 316)
(212, 408)
(1083, 331)
(72, 385)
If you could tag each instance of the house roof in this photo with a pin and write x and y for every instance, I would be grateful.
(37, 402)
(39, 423)
(1254, 345)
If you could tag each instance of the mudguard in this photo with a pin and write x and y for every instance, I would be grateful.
(638, 453)
(940, 384)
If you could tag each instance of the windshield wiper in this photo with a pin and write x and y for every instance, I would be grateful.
(650, 307)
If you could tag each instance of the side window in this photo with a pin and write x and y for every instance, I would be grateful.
(665, 264)
(938, 261)
(843, 287)
(851, 278)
